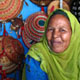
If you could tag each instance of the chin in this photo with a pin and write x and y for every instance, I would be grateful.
(58, 50)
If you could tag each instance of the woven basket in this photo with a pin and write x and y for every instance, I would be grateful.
(32, 28)
(11, 54)
(41, 2)
(55, 5)
(10, 9)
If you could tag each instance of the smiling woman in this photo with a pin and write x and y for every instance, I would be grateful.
(58, 52)
(58, 33)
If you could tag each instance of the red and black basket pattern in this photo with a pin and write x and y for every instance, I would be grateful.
(34, 26)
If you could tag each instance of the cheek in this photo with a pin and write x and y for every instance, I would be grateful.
(49, 35)
(67, 37)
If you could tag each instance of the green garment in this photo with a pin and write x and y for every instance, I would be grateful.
(62, 66)
(24, 73)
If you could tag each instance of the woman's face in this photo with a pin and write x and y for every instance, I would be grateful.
(58, 33)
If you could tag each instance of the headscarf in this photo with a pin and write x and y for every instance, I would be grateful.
(59, 66)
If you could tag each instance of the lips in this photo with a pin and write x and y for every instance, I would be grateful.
(56, 42)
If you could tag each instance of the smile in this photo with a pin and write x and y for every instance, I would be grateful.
(56, 42)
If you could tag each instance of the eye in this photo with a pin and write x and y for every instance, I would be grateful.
(62, 30)
(50, 29)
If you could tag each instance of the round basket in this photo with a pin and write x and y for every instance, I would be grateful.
(34, 25)
(5, 63)
(41, 2)
(13, 49)
(55, 5)
(10, 9)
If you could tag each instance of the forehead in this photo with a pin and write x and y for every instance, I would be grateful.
(59, 19)
(58, 16)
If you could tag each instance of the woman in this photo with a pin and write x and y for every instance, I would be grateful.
(58, 53)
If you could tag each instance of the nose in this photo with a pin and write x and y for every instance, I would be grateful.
(55, 34)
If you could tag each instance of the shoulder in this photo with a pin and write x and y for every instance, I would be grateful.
(35, 51)
(36, 47)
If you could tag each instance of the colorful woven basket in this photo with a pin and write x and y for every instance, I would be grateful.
(34, 25)
(55, 5)
(34, 28)
(41, 2)
(15, 54)
(10, 9)
(11, 54)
